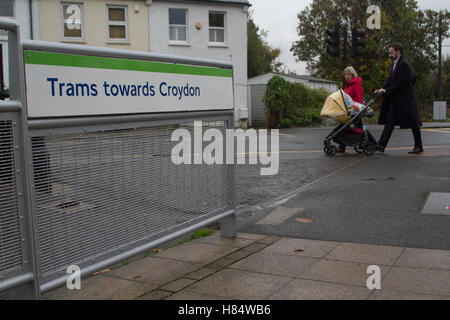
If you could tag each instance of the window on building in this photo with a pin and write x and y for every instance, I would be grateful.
(177, 24)
(72, 14)
(217, 27)
(7, 8)
(117, 23)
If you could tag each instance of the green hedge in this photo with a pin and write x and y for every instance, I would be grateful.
(292, 104)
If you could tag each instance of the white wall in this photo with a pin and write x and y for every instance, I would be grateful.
(234, 51)
(22, 15)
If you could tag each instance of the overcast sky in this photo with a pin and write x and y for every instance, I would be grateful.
(279, 19)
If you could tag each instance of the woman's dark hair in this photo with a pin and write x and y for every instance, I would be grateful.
(397, 47)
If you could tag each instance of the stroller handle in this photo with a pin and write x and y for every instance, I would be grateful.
(372, 98)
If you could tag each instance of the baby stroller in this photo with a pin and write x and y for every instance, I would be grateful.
(352, 130)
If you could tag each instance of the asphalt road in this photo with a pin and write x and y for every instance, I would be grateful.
(349, 197)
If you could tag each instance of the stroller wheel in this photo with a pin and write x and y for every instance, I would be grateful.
(359, 148)
(330, 150)
(369, 149)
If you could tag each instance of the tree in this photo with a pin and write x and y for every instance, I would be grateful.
(437, 26)
(446, 78)
(401, 21)
(261, 57)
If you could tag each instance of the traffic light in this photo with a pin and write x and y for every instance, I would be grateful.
(333, 41)
(358, 42)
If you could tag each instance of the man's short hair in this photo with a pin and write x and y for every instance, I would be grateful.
(397, 46)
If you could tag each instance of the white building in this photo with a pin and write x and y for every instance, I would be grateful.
(212, 29)
(21, 10)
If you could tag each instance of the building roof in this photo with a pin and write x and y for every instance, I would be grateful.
(296, 76)
(304, 77)
(241, 2)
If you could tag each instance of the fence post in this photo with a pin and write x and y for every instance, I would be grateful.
(228, 225)
(29, 290)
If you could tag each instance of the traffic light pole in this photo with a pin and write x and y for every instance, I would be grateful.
(439, 93)
(333, 42)
(344, 54)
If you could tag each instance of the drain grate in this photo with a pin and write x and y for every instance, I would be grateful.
(437, 203)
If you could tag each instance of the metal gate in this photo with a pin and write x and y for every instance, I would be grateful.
(92, 191)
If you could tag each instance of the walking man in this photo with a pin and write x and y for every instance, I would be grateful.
(399, 103)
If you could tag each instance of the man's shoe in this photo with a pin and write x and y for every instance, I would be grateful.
(416, 150)
(379, 148)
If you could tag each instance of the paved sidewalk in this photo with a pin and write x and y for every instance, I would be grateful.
(436, 125)
(268, 267)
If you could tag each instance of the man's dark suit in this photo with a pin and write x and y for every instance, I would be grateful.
(399, 104)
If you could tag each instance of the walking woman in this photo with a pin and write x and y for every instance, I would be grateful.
(353, 84)
(354, 88)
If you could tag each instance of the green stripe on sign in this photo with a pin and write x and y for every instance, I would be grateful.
(80, 61)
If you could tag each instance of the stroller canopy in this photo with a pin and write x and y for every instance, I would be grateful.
(339, 105)
(335, 107)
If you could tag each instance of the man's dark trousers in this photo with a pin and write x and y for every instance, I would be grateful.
(389, 128)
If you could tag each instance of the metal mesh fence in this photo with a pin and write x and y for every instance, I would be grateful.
(100, 191)
(10, 244)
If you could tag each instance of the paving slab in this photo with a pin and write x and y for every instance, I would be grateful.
(255, 247)
(239, 254)
(425, 259)
(251, 236)
(190, 295)
(383, 294)
(178, 285)
(221, 263)
(154, 270)
(226, 242)
(277, 264)
(269, 240)
(242, 285)
(365, 253)
(102, 288)
(311, 248)
(437, 203)
(269, 267)
(340, 272)
(279, 215)
(155, 295)
(301, 289)
(196, 252)
(200, 274)
(435, 282)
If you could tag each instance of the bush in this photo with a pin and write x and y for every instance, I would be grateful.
(292, 104)
(308, 118)
(277, 95)
(286, 123)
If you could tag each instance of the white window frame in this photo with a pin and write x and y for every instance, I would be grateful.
(179, 42)
(117, 23)
(81, 5)
(214, 43)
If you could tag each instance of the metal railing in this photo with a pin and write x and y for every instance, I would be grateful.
(93, 191)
